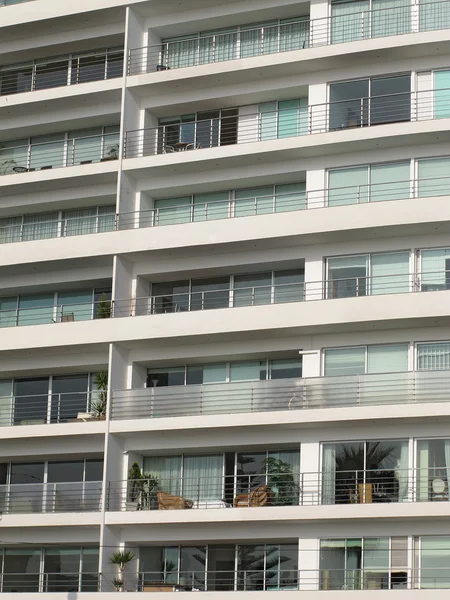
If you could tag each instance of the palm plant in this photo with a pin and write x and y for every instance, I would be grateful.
(99, 405)
(281, 480)
(120, 558)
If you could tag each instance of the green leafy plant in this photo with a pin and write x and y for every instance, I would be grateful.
(103, 307)
(281, 480)
(7, 166)
(142, 488)
(112, 152)
(120, 558)
(100, 404)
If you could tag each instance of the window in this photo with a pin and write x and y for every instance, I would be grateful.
(433, 15)
(354, 20)
(372, 101)
(384, 273)
(365, 472)
(257, 370)
(433, 174)
(259, 566)
(372, 183)
(366, 359)
(285, 118)
(433, 457)
(433, 357)
(432, 554)
(435, 269)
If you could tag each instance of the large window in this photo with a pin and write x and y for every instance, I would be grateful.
(27, 401)
(286, 118)
(257, 370)
(435, 269)
(222, 205)
(433, 356)
(372, 101)
(368, 274)
(432, 561)
(433, 458)
(364, 563)
(66, 486)
(235, 42)
(353, 20)
(370, 183)
(222, 292)
(53, 569)
(365, 472)
(225, 567)
(359, 360)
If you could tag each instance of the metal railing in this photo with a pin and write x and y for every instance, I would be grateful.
(313, 119)
(282, 395)
(43, 409)
(63, 71)
(376, 578)
(238, 297)
(227, 209)
(51, 497)
(68, 153)
(28, 582)
(44, 230)
(294, 35)
(290, 202)
(59, 313)
(12, 2)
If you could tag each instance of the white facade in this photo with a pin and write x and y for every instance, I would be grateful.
(236, 213)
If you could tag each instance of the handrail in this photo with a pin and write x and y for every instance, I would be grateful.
(60, 153)
(228, 209)
(414, 387)
(276, 38)
(176, 139)
(229, 297)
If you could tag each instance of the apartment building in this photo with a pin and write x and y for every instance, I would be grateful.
(224, 337)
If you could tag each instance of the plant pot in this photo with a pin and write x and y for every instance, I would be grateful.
(131, 505)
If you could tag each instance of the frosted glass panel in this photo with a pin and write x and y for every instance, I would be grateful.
(434, 177)
(211, 206)
(435, 269)
(245, 371)
(348, 186)
(345, 361)
(391, 17)
(291, 196)
(433, 357)
(387, 359)
(350, 21)
(173, 210)
(34, 310)
(78, 304)
(251, 201)
(390, 181)
(390, 273)
(442, 94)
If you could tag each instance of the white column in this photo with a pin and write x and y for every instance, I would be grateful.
(248, 124)
(320, 26)
(315, 186)
(123, 303)
(309, 469)
(318, 108)
(309, 563)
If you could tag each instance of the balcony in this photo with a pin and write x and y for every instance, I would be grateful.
(41, 74)
(25, 229)
(64, 151)
(280, 489)
(51, 497)
(12, 2)
(358, 113)
(293, 35)
(281, 395)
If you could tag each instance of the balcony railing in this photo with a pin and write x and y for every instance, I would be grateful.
(12, 2)
(376, 578)
(227, 209)
(51, 497)
(44, 230)
(313, 119)
(73, 69)
(61, 581)
(338, 288)
(282, 395)
(49, 155)
(374, 486)
(42, 409)
(285, 37)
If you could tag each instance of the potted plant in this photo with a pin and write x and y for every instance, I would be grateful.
(120, 558)
(112, 152)
(103, 307)
(142, 489)
(7, 166)
(281, 480)
(99, 406)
